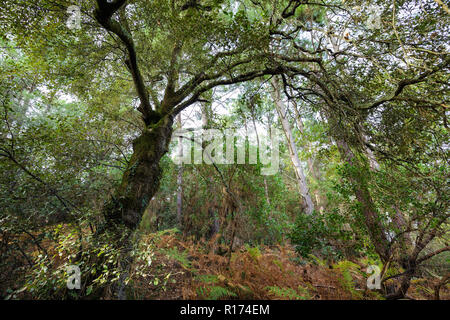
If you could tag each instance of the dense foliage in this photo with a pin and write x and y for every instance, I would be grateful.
(357, 89)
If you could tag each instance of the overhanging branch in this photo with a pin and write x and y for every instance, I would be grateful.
(103, 14)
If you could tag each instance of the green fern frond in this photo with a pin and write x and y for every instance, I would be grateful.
(288, 293)
(207, 278)
(319, 261)
(346, 269)
(217, 292)
(180, 256)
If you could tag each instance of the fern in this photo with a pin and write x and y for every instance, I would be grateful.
(285, 293)
(317, 260)
(279, 264)
(254, 252)
(181, 257)
(346, 268)
(346, 265)
(211, 291)
(207, 278)
(304, 292)
(217, 292)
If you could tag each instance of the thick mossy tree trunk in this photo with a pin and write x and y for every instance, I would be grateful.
(123, 212)
(141, 179)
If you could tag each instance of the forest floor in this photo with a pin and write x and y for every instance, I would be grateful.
(176, 268)
(183, 269)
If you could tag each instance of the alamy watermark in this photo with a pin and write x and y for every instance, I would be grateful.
(374, 20)
(74, 277)
(74, 20)
(374, 281)
(212, 146)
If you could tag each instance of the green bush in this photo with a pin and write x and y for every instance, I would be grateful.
(308, 234)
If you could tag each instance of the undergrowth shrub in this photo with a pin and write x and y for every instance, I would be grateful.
(309, 233)
(323, 235)
(47, 279)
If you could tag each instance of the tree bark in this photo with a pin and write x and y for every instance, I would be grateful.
(141, 179)
(301, 179)
(310, 160)
(123, 212)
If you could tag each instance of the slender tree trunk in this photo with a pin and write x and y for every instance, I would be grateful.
(310, 160)
(301, 179)
(301, 128)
